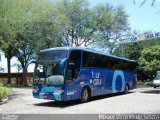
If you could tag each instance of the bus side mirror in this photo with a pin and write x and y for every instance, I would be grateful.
(62, 64)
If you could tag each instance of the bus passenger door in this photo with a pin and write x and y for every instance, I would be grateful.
(71, 87)
(72, 72)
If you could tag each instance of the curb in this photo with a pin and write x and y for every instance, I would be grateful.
(4, 101)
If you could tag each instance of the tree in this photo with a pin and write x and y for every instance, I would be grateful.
(1, 69)
(144, 1)
(39, 33)
(16, 18)
(77, 26)
(7, 24)
(44, 31)
(83, 25)
(28, 26)
(133, 51)
(25, 54)
(35, 35)
(13, 18)
(112, 26)
(150, 60)
(19, 68)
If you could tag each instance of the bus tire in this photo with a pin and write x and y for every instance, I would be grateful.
(126, 89)
(85, 95)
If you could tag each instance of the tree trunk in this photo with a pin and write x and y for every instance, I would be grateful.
(9, 70)
(17, 78)
(24, 76)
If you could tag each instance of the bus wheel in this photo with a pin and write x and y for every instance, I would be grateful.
(126, 89)
(84, 95)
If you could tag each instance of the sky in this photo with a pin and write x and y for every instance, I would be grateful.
(142, 19)
(3, 64)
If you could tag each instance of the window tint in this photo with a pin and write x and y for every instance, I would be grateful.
(75, 56)
(73, 67)
(101, 61)
(52, 55)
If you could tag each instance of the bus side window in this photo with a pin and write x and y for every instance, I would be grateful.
(71, 71)
(73, 67)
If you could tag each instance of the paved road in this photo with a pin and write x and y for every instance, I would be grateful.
(144, 100)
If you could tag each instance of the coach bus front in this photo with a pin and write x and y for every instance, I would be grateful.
(48, 76)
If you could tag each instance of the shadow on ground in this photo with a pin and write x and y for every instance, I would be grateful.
(75, 102)
(154, 91)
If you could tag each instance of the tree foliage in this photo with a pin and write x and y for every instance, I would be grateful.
(112, 25)
(150, 60)
(77, 26)
(133, 49)
(1, 69)
(85, 25)
(27, 26)
(18, 66)
(13, 17)
(15, 21)
(144, 1)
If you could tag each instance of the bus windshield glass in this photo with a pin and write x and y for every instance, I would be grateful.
(47, 68)
(55, 55)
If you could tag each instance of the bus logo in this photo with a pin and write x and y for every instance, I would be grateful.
(96, 80)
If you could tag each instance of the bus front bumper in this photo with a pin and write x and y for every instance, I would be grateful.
(49, 96)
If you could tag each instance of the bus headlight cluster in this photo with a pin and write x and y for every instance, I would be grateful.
(35, 89)
(59, 91)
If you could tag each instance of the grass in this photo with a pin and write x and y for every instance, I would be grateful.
(16, 86)
(3, 92)
(140, 84)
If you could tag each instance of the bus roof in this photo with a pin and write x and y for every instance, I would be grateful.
(85, 49)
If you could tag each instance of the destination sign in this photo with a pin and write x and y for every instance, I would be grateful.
(142, 37)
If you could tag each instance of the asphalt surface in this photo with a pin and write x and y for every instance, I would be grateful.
(138, 101)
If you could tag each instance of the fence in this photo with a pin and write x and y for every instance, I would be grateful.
(16, 78)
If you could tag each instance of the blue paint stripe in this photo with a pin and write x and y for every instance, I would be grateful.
(47, 89)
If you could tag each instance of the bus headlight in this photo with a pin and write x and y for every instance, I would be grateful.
(35, 89)
(59, 91)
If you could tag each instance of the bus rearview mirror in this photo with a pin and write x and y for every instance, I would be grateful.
(62, 64)
(31, 62)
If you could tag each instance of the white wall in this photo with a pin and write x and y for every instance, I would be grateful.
(3, 64)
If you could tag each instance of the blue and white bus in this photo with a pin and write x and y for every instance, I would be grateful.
(70, 73)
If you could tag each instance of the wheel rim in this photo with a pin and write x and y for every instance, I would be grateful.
(85, 94)
(126, 91)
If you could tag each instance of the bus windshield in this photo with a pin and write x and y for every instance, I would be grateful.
(54, 55)
(47, 68)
